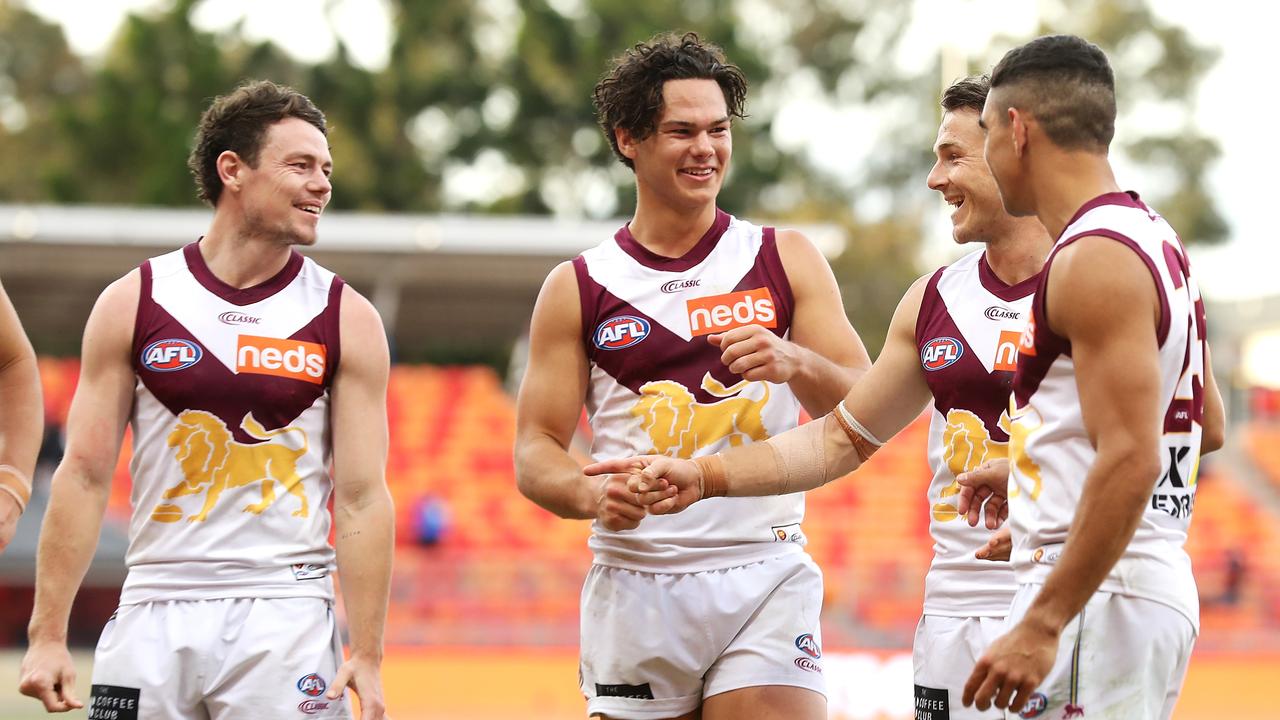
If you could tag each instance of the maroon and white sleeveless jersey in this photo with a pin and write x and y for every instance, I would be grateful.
(231, 432)
(967, 333)
(658, 387)
(1050, 453)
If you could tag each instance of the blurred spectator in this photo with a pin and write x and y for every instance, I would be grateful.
(430, 519)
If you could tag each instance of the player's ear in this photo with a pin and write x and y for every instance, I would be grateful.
(230, 166)
(1018, 130)
(626, 142)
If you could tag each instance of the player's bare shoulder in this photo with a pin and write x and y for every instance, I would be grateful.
(363, 338)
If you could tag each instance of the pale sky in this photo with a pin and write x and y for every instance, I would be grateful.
(1235, 98)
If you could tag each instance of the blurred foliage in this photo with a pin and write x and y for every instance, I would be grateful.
(502, 88)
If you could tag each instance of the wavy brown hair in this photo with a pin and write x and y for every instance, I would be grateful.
(629, 96)
(237, 122)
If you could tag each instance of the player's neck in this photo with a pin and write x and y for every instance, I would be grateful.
(669, 231)
(1021, 252)
(1069, 181)
(239, 259)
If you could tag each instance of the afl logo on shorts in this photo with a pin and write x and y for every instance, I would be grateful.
(940, 352)
(170, 355)
(809, 646)
(1035, 706)
(620, 332)
(311, 685)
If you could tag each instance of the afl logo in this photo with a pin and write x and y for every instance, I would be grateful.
(809, 646)
(940, 352)
(311, 685)
(620, 332)
(172, 354)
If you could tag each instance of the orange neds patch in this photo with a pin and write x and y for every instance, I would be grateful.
(719, 313)
(1007, 350)
(297, 359)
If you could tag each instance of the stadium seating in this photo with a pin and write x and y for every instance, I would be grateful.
(502, 571)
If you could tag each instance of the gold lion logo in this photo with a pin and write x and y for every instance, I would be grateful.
(966, 444)
(680, 426)
(212, 461)
(1025, 422)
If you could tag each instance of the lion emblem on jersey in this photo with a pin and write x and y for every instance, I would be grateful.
(966, 444)
(679, 426)
(212, 461)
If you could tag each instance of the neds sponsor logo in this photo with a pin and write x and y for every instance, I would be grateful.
(718, 313)
(297, 359)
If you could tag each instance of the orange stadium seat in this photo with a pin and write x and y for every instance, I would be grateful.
(506, 572)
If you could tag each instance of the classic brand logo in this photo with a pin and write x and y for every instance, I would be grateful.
(805, 663)
(170, 355)
(995, 312)
(297, 359)
(235, 318)
(311, 707)
(621, 331)
(718, 313)
(1007, 350)
(677, 285)
(940, 352)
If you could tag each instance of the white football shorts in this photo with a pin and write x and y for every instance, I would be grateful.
(226, 659)
(943, 656)
(654, 645)
(1122, 657)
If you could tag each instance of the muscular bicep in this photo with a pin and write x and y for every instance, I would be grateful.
(819, 322)
(104, 394)
(1103, 300)
(1214, 420)
(555, 379)
(893, 392)
(359, 401)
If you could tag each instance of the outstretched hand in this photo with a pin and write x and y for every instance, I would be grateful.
(985, 491)
(660, 484)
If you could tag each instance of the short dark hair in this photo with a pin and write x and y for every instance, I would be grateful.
(237, 122)
(1066, 83)
(629, 96)
(967, 94)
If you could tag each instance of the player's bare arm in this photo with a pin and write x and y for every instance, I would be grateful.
(1103, 300)
(21, 422)
(362, 507)
(547, 411)
(81, 485)
(883, 401)
(824, 356)
(1214, 427)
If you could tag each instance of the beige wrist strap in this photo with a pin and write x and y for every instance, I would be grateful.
(16, 483)
(713, 482)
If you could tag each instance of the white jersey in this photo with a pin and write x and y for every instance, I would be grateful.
(658, 387)
(1051, 453)
(231, 433)
(967, 334)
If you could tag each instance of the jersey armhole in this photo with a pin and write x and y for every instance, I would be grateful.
(1162, 328)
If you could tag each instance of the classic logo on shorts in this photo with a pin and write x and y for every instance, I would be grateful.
(171, 354)
(940, 352)
(1035, 706)
(805, 663)
(809, 646)
(621, 331)
(311, 707)
(297, 359)
(311, 685)
(718, 313)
